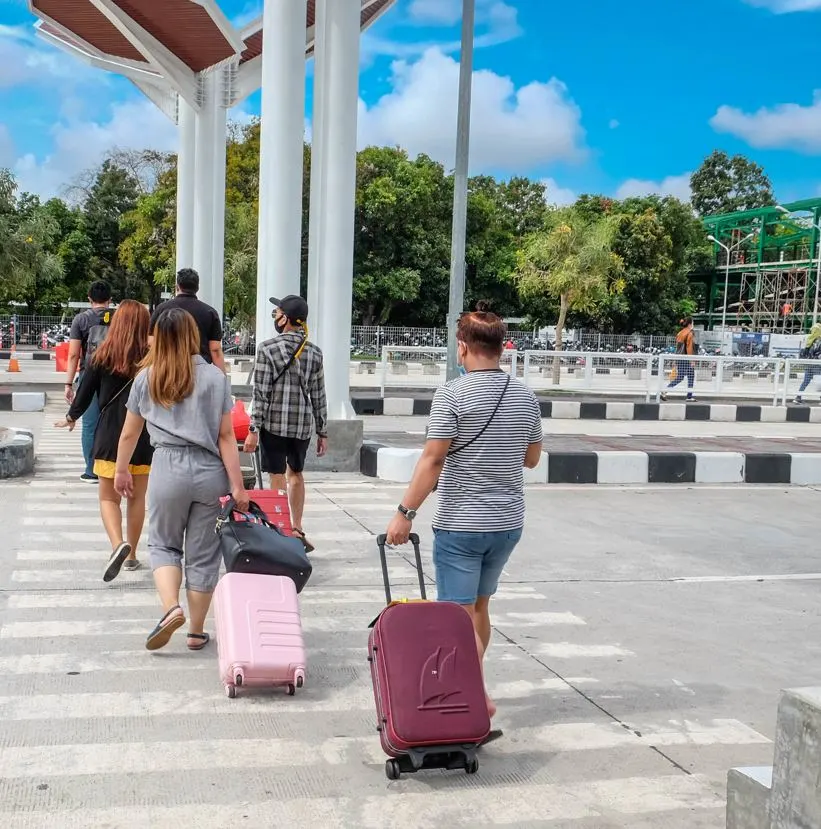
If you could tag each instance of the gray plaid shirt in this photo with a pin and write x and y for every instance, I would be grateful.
(286, 407)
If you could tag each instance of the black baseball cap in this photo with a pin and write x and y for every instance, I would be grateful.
(294, 307)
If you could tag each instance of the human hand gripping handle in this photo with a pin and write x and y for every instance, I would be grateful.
(321, 446)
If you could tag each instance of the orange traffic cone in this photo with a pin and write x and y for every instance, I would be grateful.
(14, 363)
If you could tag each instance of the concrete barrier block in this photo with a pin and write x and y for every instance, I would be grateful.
(805, 469)
(672, 411)
(794, 801)
(399, 368)
(815, 414)
(620, 411)
(719, 467)
(28, 401)
(539, 474)
(748, 797)
(723, 412)
(566, 410)
(397, 465)
(430, 369)
(398, 406)
(773, 414)
(623, 468)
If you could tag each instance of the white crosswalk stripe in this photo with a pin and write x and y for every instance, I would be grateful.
(95, 731)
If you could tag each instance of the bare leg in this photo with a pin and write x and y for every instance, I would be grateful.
(278, 482)
(198, 604)
(296, 497)
(481, 620)
(110, 512)
(136, 514)
(168, 580)
(480, 648)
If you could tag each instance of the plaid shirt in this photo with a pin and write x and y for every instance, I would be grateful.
(285, 407)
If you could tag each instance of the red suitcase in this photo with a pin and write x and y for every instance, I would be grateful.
(427, 682)
(274, 503)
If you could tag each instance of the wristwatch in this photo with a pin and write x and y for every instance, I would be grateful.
(252, 429)
(410, 514)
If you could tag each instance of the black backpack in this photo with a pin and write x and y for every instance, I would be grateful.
(98, 331)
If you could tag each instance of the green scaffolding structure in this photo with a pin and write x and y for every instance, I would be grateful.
(773, 269)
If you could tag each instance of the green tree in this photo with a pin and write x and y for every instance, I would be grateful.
(241, 263)
(727, 185)
(571, 260)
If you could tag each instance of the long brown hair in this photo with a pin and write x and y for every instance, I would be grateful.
(126, 343)
(482, 331)
(171, 358)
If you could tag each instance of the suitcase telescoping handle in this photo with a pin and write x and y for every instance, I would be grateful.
(414, 539)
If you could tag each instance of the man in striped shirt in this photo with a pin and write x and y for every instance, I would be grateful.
(484, 429)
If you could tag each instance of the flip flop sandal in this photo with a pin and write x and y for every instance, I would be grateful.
(203, 638)
(132, 564)
(121, 552)
(309, 548)
(161, 635)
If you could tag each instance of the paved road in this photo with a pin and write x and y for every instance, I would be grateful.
(642, 635)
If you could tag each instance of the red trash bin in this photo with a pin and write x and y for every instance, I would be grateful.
(61, 357)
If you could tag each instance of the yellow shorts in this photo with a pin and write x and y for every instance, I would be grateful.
(106, 469)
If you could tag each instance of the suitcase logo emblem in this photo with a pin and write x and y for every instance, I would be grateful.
(436, 684)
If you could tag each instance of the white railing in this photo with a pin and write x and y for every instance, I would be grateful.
(649, 375)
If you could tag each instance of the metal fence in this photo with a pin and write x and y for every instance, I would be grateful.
(34, 331)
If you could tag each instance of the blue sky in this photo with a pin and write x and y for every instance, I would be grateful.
(591, 95)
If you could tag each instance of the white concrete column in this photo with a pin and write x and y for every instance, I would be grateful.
(204, 191)
(220, 122)
(280, 168)
(336, 209)
(317, 168)
(186, 161)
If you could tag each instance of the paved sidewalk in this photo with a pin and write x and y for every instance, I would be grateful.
(625, 693)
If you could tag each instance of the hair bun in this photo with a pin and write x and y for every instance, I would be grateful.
(483, 307)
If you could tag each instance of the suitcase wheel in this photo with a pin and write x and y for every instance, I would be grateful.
(238, 679)
(300, 681)
(230, 691)
(291, 689)
(472, 766)
(393, 771)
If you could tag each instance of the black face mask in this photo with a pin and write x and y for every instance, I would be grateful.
(279, 326)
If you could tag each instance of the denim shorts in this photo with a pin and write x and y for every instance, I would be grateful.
(469, 565)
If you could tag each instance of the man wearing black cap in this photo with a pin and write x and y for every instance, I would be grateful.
(289, 404)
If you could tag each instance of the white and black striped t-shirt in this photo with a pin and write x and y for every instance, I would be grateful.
(481, 488)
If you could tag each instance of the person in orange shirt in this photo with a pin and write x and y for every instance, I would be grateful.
(685, 367)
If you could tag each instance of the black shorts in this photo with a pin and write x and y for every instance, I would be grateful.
(277, 451)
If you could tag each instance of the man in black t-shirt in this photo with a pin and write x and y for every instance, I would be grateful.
(207, 319)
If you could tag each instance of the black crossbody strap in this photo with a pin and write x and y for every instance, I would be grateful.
(485, 427)
(113, 399)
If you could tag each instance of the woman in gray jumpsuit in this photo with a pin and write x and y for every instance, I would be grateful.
(186, 404)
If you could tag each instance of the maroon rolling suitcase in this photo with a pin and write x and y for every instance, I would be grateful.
(427, 682)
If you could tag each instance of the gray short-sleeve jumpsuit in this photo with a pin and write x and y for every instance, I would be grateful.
(188, 476)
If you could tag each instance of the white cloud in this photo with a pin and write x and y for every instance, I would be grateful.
(786, 6)
(7, 149)
(678, 186)
(81, 144)
(512, 130)
(560, 196)
(496, 22)
(784, 125)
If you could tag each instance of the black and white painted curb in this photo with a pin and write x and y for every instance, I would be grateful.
(617, 410)
(804, 469)
(43, 356)
(22, 401)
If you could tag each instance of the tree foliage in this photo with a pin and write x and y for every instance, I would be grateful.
(727, 185)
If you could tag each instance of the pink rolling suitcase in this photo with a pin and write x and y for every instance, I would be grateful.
(259, 632)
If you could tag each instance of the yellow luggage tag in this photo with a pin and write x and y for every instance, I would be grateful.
(395, 602)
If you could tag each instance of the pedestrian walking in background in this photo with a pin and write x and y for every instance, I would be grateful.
(88, 331)
(186, 404)
(484, 428)
(207, 319)
(289, 405)
(811, 351)
(685, 367)
(107, 378)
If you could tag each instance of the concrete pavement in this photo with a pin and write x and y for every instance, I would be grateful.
(642, 635)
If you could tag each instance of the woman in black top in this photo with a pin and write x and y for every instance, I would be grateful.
(110, 375)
